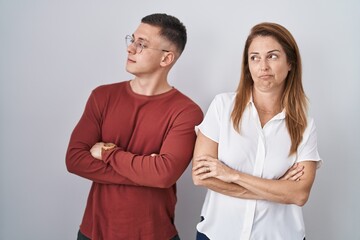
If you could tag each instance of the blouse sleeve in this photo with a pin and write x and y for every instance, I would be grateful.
(210, 126)
(308, 150)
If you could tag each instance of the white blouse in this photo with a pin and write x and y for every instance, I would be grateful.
(261, 152)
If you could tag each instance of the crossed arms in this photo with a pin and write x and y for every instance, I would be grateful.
(120, 166)
(292, 188)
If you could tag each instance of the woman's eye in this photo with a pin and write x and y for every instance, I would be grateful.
(273, 56)
(254, 58)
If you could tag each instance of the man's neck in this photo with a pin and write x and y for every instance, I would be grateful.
(149, 87)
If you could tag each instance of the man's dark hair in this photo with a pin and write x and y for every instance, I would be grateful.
(171, 28)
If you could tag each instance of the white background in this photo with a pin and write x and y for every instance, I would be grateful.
(53, 53)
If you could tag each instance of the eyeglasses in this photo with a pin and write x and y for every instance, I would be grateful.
(139, 45)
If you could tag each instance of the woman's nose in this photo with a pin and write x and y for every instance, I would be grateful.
(264, 65)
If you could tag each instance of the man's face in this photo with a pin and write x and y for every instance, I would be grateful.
(146, 53)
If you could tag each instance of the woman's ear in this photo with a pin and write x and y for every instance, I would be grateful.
(167, 59)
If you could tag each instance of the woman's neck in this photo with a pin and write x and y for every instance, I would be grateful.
(267, 105)
(267, 102)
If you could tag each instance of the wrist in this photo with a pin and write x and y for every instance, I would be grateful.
(235, 176)
(104, 150)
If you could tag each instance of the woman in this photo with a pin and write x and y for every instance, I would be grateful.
(256, 149)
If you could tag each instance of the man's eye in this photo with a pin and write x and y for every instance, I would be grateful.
(140, 44)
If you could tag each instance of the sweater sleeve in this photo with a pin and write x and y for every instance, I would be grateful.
(164, 169)
(78, 157)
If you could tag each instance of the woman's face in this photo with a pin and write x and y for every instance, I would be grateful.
(268, 64)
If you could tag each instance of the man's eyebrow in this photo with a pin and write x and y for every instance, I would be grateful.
(142, 39)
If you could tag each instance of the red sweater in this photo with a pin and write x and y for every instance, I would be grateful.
(133, 194)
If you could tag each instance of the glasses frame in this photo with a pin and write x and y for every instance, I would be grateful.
(139, 47)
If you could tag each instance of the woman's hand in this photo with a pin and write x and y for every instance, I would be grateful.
(294, 173)
(207, 167)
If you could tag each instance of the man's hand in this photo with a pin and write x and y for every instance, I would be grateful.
(97, 150)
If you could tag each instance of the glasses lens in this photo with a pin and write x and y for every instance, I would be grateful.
(128, 40)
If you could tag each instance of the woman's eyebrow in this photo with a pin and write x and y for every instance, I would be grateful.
(275, 50)
(271, 51)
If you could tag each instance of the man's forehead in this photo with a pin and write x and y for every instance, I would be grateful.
(146, 32)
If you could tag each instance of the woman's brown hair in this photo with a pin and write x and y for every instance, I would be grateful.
(293, 100)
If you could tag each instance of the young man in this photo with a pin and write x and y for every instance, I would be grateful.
(135, 139)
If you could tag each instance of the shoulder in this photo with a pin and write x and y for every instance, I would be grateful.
(184, 101)
(104, 95)
(227, 97)
(184, 106)
(223, 100)
(310, 123)
(110, 92)
(110, 88)
(310, 133)
(311, 127)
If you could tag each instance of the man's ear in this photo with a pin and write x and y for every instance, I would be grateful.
(167, 59)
